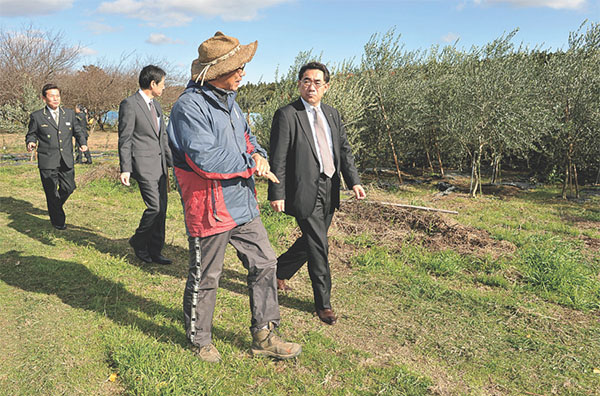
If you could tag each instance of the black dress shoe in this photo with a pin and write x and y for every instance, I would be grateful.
(143, 255)
(327, 316)
(160, 259)
(60, 227)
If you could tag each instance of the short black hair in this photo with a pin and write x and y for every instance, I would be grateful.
(314, 66)
(151, 73)
(48, 87)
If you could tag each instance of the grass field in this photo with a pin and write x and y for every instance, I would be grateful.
(501, 299)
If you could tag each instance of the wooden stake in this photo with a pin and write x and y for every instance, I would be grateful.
(425, 208)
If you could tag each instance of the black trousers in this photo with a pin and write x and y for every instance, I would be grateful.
(150, 234)
(79, 155)
(313, 247)
(58, 184)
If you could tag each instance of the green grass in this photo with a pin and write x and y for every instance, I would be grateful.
(77, 306)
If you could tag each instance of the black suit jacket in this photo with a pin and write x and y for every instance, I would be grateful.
(54, 141)
(143, 150)
(83, 122)
(294, 159)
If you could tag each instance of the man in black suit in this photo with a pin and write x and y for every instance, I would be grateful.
(51, 130)
(81, 115)
(144, 154)
(309, 149)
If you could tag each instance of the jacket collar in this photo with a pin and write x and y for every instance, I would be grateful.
(48, 114)
(223, 98)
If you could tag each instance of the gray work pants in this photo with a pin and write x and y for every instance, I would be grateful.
(206, 265)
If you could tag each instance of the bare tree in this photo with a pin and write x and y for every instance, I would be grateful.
(35, 56)
(100, 89)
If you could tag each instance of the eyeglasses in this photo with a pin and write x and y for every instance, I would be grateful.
(307, 82)
(240, 69)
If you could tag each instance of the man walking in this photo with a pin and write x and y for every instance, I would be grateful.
(215, 156)
(81, 115)
(51, 130)
(144, 154)
(309, 149)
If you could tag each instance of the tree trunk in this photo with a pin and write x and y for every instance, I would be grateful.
(439, 158)
(565, 182)
(576, 181)
(497, 168)
(476, 173)
(389, 133)
(598, 176)
(479, 170)
(429, 159)
(570, 172)
(494, 169)
(474, 178)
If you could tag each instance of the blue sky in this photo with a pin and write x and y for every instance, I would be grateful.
(338, 29)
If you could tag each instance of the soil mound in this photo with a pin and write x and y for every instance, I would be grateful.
(393, 226)
(100, 171)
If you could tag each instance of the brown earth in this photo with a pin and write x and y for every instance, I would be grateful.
(393, 226)
(97, 141)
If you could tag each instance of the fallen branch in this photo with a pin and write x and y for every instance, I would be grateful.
(425, 208)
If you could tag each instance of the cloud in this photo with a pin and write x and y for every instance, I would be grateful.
(556, 4)
(451, 37)
(14, 8)
(101, 28)
(86, 51)
(182, 12)
(159, 39)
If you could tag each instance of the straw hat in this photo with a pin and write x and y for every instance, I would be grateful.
(220, 55)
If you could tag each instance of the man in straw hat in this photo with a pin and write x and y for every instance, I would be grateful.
(215, 157)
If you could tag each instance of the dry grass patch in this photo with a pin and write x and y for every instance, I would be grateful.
(394, 226)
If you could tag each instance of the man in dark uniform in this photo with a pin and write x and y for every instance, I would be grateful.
(81, 115)
(51, 130)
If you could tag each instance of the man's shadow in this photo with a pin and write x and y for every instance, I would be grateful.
(75, 285)
(24, 218)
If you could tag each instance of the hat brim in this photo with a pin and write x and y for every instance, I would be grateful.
(240, 58)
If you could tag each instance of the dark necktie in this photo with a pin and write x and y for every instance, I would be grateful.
(326, 157)
(153, 116)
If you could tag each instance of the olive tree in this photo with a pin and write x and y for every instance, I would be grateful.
(573, 88)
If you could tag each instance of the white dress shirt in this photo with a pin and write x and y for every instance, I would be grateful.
(310, 109)
(148, 101)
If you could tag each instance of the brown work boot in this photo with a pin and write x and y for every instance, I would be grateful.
(267, 342)
(208, 353)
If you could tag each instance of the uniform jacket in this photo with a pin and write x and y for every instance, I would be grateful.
(143, 150)
(295, 162)
(54, 141)
(83, 122)
(212, 151)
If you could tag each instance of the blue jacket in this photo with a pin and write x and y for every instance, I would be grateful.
(212, 149)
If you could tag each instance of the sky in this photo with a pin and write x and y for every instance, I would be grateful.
(336, 30)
